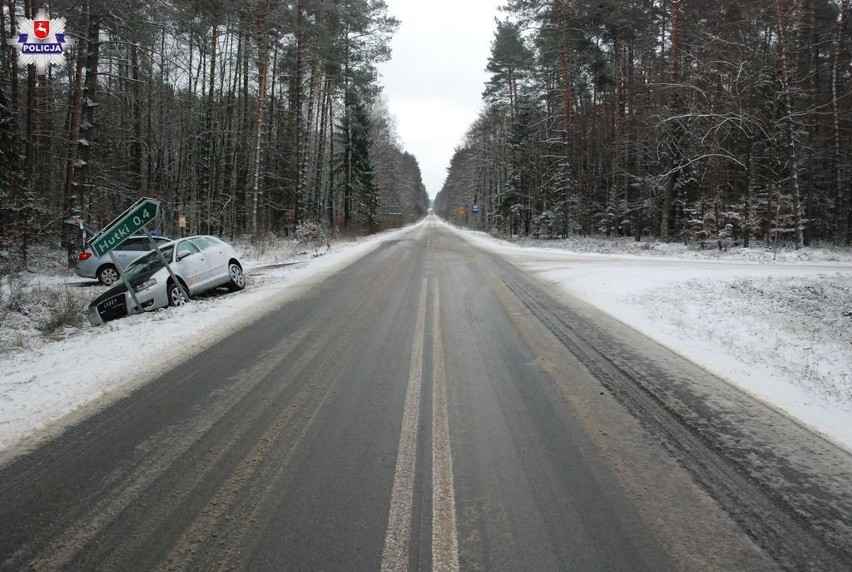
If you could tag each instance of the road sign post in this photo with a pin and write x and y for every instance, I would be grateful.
(126, 282)
(140, 214)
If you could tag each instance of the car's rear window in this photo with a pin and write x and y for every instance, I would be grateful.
(135, 244)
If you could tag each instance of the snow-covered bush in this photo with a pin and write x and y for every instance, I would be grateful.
(12, 293)
(64, 308)
(264, 242)
(28, 309)
(312, 235)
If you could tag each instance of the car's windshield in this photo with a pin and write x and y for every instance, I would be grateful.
(148, 262)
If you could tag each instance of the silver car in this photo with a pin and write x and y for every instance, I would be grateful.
(200, 263)
(88, 265)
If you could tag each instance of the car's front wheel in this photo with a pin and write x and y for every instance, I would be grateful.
(176, 296)
(107, 275)
(238, 279)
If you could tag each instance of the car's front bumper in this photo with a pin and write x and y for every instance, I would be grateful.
(94, 317)
(121, 305)
(111, 308)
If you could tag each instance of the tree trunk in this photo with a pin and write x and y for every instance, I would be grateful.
(87, 126)
(329, 193)
(13, 61)
(324, 203)
(843, 194)
(751, 174)
(619, 193)
(136, 144)
(792, 149)
(69, 205)
(298, 117)
(630, 148)
(206, 181)
(565, 72)
(667, 216)
(8, 68)
(310, 146)
(347, 143)
(262, 64)
(30, 149)
(243, 150)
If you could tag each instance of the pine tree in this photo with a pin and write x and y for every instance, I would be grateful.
(13, 213)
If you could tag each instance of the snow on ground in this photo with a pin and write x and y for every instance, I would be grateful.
(760, 253)
(48, 382)
(782, 331)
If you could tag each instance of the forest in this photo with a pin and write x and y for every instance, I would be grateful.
(712, 123)
(244, 118)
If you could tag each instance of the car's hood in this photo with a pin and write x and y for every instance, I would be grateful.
(119, 286)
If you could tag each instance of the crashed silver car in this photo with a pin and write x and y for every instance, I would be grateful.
(200, 263)
(89, 265)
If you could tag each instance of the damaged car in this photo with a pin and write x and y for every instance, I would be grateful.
(200, 264)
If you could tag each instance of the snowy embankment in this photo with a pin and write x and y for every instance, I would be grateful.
(48, 382)
(782, 332)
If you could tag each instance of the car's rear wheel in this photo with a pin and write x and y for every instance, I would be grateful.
(176, 297)
(107, 275)
(238, 279)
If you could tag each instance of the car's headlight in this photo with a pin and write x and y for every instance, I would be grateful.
(147, 284)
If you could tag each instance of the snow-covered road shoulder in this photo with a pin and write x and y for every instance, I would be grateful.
(781, 332)
(50, 384)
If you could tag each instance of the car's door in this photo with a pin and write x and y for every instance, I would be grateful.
(216, 260)
(190, 265)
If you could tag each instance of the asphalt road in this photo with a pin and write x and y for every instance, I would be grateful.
(431, 407)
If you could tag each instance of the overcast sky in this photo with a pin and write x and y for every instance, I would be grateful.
(433, 83)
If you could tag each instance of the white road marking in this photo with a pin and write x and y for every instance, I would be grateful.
(395, 554)
(398, 535)
(445, 550)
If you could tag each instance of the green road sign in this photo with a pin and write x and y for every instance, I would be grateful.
(144, 211)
